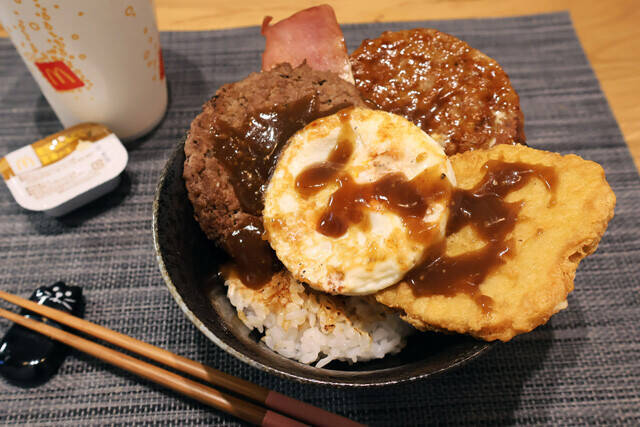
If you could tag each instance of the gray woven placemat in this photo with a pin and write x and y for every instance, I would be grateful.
(581, 368)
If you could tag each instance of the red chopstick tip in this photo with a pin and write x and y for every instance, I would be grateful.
(279, 402)
(273, 419)
(306, 412)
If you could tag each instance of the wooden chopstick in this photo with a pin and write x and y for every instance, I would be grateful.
(207, 395)
(269, 398)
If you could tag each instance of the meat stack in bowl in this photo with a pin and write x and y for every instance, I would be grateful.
(363, 197)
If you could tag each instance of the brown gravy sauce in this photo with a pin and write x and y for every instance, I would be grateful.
(250, 153)
(409, 199)
(453, 91)
(252, 254)
(483, 208)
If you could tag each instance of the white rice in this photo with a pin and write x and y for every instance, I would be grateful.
(312, 327)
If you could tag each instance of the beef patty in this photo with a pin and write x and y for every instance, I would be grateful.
(455, 93)
(233, 145)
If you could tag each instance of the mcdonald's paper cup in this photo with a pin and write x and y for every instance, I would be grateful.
(95, 61)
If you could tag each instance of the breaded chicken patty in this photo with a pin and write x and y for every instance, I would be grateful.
(554, 230)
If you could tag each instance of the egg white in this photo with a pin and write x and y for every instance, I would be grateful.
(367, 258)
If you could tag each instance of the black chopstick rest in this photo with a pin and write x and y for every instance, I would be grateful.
(27, 358)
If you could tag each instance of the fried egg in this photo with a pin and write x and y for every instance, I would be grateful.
(381, 245)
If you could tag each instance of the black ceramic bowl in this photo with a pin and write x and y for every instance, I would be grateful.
(189, 264)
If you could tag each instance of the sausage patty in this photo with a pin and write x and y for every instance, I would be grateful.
(455, 93)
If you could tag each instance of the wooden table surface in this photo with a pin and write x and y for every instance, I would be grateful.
(608, 30)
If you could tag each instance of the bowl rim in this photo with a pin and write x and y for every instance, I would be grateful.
(404, 378)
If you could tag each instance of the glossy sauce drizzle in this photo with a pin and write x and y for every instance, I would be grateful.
(409, 199)
(317, 176)
(442, 85)
(252, 254)
(483, 208)
(249, 153)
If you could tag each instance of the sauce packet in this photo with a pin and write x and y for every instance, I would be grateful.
(66, 170)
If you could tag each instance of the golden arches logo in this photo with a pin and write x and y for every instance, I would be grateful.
(25, 162)
(59, 75)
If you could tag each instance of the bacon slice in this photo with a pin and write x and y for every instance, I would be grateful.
(313, 35)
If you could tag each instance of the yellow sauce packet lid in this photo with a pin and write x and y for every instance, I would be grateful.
(65, 170)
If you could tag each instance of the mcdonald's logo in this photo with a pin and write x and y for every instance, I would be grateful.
(25, 163)
(59, 75)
